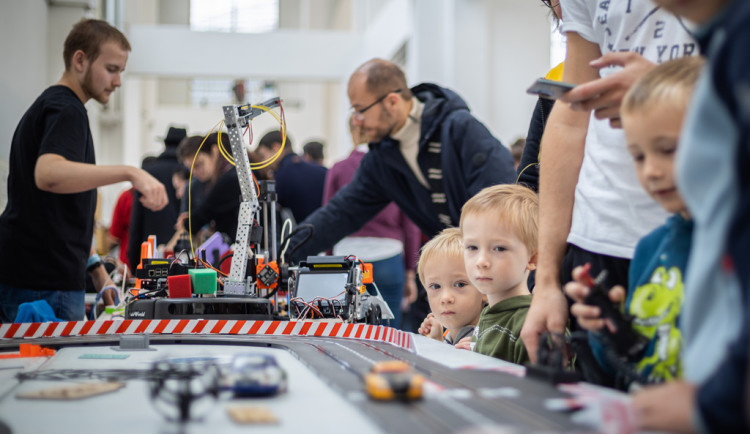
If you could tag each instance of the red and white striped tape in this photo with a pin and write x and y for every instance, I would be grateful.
(207, 327)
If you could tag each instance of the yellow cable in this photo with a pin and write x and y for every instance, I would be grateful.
(263, 164)
(227, 156)
(518, 178)
(190, 184)
(224, 153)
(282, 123)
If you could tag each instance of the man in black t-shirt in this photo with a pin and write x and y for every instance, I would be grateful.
(46, 229)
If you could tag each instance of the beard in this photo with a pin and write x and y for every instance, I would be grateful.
(386, 123)
(90, 89)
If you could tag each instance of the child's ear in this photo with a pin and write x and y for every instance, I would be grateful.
(532, 262)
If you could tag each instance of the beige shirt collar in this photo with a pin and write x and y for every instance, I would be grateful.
(413, 122)
(408, 137)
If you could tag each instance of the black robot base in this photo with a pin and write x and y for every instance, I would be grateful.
(236, 308)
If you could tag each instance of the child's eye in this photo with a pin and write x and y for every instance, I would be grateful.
(471, 248)
(668, 151)
(638, 158)
(500, 249)
(459, 284)
(433, 286)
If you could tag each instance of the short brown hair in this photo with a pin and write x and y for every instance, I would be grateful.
(189, 146)
(88, 36)
(671, 81)
(383, 77)
(446, 243)
(515, 206)
(272, 137)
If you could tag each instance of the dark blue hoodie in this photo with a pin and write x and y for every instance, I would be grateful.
(472, 159)
(723, 398)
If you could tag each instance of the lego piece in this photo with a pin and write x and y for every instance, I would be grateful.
(134, 342)
(203, 281)
(367, 276)
(77, 391)
(252, 415)
(268, 274)
(29, 350)
(179, 286)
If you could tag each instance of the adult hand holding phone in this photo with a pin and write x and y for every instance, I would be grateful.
(605, 94)
(590, 317)
(549, 89)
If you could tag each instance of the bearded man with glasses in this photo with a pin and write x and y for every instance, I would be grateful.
(428, 154)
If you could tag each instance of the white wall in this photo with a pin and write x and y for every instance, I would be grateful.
(32, 34)
(488, 51)
(314, 54)
(23, 72)
(519, 53)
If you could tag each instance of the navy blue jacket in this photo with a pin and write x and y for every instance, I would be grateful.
(299, 185)
(472, 159)
(722, 399)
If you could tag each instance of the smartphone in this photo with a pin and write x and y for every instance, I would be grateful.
(549, 89)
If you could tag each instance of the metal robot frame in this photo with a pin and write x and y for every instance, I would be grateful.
(237, 117)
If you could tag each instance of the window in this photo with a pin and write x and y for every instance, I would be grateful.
(219, 92)
(242, 16)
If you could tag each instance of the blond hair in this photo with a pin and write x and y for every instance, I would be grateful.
(671, 82)
(515, 206)
(446, 243)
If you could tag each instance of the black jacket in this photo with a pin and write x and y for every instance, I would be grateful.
(144, 222)
(471, 160)
(220, 206)
(528, 168)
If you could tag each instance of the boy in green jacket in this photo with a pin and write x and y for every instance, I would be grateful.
(499, 230)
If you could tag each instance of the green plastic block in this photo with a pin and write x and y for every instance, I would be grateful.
(203, 280)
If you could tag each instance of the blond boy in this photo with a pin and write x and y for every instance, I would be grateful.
(499, 232)
(652, 117)
(455, 303)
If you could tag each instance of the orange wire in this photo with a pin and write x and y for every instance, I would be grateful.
(257, 187)
(207, 265)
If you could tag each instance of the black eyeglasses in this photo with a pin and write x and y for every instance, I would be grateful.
(359, 114)
(549, 3)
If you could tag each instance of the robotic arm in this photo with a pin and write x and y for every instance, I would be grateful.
(248, 232)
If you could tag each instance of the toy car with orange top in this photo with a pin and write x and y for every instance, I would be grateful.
(393, 379)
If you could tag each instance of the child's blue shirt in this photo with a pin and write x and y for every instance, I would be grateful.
(654, 299)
